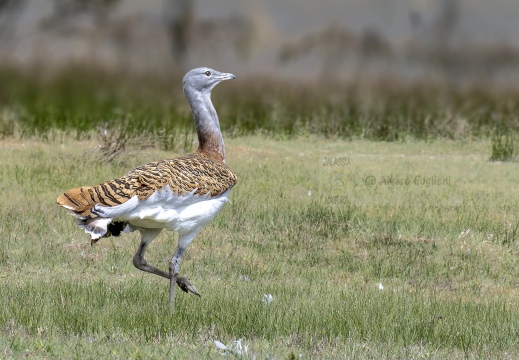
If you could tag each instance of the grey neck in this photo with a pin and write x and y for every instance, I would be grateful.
(210, 140)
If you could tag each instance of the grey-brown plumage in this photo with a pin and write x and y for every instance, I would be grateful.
(181, 194)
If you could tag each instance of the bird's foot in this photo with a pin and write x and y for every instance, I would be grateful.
(186, 286)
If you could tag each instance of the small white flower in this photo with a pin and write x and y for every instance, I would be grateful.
(237, 347)
(380, 286)
(219, 345)
(464, 233)
(245, 277)
(309, 192)
(267, 298)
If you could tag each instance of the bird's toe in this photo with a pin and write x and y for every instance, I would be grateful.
(186, 286)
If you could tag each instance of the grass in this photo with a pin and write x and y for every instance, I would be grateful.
(444, 253)
(78, 100)
(504, 147)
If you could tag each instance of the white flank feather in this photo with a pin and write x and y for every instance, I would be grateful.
(186, 213)
(96, 227)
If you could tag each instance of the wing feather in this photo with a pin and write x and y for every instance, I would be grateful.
(195, 173)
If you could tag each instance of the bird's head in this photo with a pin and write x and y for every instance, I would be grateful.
(204, 79)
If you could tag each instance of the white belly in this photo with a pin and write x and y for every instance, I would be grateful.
(186, 213)
(182, 213)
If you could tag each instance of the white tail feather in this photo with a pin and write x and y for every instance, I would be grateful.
(96, 227)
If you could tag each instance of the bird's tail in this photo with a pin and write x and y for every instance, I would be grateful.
(78, 201)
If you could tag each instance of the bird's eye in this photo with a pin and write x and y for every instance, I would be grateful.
(207, 73)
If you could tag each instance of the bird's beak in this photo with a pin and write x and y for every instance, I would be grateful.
(226, 76)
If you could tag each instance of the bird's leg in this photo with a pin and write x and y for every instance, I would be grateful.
(172, 286)
(182, 282)
(139, 262)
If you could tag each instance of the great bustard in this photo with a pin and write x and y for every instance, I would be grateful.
(182, 194)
